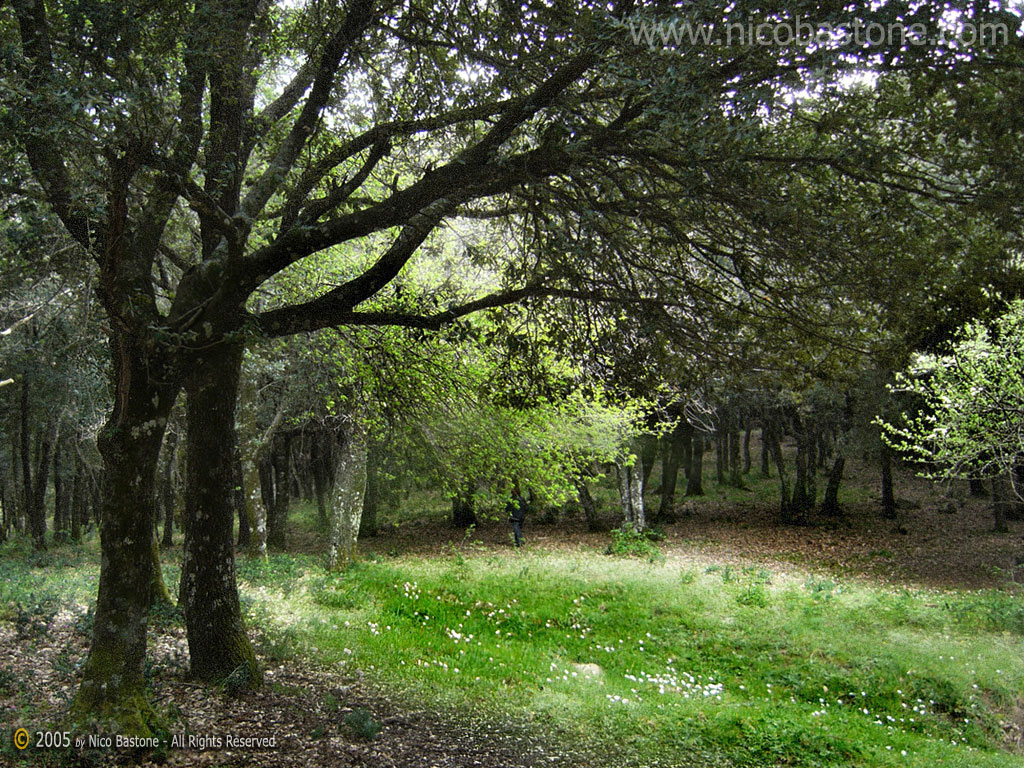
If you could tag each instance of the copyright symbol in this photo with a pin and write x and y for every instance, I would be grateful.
(21, 738)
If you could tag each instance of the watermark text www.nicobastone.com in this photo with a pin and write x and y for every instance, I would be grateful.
(683, 33)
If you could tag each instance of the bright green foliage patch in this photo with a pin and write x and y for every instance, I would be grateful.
(710, 666)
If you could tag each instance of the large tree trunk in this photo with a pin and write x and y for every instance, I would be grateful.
(113, 685)
(347, 497)
(217, 642)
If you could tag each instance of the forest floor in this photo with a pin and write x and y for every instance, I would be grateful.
(935, 542)
(941, 539)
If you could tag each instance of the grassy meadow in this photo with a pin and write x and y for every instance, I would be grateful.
(661, 659)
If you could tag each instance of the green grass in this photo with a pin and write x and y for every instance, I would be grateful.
(714, 667)
(645, 663)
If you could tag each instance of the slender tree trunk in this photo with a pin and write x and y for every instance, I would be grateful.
(5, 508)
(830, 505)
(721, 446)
(588, 505)
(735, 467)
(37, 512)
(686, 455)
(766, 465)
(671, 458)
(371, 500)
(804, 490)
(15, 494)
(746, 449)
(631, 494)
(320, 466)
(648, 455)
(79, 498)
(26, 457)
(241, 505)
(1000, 504)
(888, 498)
(347, 497)
(170, 450)
(695, 481)
(277, 518)
(217, 642)
(113, 685)
(775, 447)
(61, 493)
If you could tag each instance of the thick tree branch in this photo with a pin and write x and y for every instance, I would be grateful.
(44, 156)
(360, 15)
(383, 132)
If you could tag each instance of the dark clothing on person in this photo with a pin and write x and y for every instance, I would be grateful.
(516, 509)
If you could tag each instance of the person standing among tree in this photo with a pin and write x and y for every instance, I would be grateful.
(516, 509)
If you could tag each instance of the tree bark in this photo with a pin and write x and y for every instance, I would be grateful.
(347, 497)
(113, 685)
(217, 642)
